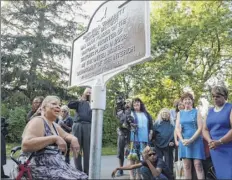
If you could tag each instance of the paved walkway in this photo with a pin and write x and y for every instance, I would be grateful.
(108, 164)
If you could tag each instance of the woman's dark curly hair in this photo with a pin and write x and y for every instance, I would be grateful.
(142, 107)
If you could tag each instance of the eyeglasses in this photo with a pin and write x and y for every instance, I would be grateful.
(152, 154)
(217, 95)
(37, 102)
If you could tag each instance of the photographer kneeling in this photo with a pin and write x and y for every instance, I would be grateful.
(123, 131)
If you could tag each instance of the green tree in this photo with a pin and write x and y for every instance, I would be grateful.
(192, 40)
(36, 39)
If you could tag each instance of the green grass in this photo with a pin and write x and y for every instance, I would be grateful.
(9, 146)
(107, 150)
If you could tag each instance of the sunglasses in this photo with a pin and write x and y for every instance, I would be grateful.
(152, 154)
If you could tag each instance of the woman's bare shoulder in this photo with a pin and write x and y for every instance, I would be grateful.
(38, 120)
(35, 126)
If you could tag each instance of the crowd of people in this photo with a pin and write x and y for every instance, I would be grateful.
(150, 146)
(184, 133)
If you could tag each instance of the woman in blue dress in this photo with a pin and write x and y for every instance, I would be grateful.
(188, 128)
(218, 133)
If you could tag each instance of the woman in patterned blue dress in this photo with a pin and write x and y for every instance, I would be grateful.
(188, 129)
(47, 140)
(218, 133)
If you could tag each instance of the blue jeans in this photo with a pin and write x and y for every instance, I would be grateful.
(146, 174)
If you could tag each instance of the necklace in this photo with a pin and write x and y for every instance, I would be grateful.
(218, 109)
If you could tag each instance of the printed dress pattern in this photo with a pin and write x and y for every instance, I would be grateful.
(49, 163)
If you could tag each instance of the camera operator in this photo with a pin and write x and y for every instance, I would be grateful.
(124, 115)
(4, 132)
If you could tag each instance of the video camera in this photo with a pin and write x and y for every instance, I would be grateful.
(123, 109)
(129, 123)
(4, 125)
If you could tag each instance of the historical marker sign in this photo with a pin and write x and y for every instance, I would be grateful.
(118, 36)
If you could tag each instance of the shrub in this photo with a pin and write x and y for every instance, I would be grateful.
(4, 111)
(17, 122)
(110, 125)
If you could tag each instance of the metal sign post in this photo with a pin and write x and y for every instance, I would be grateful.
(117, 37)
(98, 104)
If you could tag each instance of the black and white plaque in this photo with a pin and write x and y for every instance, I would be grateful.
(118, 36)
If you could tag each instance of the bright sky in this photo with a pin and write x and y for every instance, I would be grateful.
(91, 6)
